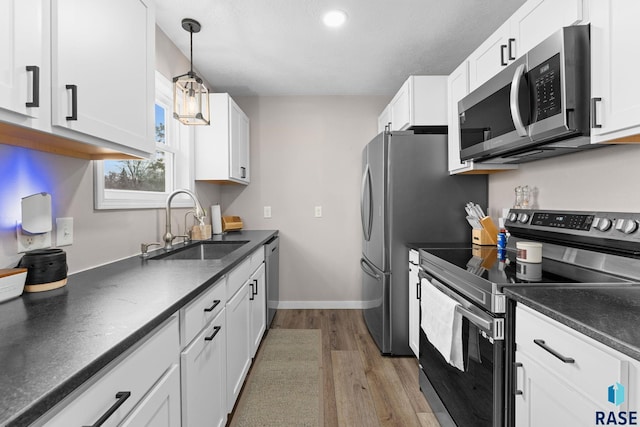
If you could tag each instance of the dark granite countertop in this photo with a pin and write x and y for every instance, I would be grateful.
(608, 314)
(52, 342)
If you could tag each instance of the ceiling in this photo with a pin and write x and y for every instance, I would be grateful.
(281, 47)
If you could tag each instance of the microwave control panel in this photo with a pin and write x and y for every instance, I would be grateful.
(545, 82)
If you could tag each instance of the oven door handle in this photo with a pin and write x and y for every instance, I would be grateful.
(492, 326)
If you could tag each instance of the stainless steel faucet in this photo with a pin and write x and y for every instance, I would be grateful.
(200, 214)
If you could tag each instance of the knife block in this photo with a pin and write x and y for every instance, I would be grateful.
(487, 235)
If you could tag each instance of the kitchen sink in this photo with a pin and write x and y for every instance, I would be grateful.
(202, 250)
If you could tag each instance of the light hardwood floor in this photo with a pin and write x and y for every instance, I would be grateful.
(361, 387)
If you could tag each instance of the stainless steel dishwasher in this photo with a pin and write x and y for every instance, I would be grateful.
(272, 257)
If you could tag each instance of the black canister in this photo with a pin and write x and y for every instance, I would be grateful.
(44, 266)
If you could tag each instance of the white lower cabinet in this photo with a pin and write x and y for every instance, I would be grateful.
(139, 381)
(414, 302)
(562, 377)
(203, 365)
(238, 351)
(258, 308)
(245, 305)
(161, 407)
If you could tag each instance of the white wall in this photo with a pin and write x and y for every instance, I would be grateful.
(99, 236)
(305, 152)
(601, 179)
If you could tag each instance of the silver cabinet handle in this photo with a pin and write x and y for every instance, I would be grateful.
(542, 344)
(516, 365)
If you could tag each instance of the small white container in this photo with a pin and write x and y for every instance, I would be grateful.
(530, 252)
(12, 282)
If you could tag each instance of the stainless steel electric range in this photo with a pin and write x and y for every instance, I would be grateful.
(583, 248)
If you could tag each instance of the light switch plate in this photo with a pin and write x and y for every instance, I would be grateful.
(318, 212)
(64, 231)
(267, 211)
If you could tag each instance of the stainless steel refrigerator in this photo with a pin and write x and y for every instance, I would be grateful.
(407, 196)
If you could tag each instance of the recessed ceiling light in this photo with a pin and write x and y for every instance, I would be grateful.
(334, 18)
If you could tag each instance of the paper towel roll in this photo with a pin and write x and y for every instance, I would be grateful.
(216, 219)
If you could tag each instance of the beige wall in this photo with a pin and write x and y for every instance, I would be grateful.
(305, 152)
(99, 236)
(601, 179)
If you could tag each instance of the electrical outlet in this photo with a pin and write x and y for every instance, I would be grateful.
(64, 231)
(267, 211)
(30, 242)
(318, 212)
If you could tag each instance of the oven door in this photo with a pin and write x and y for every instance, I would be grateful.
(474, 397)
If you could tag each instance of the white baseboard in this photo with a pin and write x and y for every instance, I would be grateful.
(321, 305)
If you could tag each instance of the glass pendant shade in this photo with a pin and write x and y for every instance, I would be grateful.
(190, 100)
(190, 96)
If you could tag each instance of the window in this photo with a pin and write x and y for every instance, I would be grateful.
(138, 184)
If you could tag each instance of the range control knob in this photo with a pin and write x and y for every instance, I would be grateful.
(627, 226)
(512, 217)
(523, 218)
(602, 224)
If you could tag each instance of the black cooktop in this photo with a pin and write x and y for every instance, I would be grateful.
(503, 268)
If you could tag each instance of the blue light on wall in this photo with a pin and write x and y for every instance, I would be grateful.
(22, 172)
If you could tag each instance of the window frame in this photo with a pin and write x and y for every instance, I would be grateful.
(178, 166)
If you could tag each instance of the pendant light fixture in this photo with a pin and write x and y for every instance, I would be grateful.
(190, 96)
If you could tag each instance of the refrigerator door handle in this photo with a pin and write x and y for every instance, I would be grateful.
(366, 187)
(368, 269)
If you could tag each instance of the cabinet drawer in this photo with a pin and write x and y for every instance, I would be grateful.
(135, 373)
(199, 312)
(241, 273)
(594, 367)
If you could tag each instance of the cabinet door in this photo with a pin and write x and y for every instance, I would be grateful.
(489, 58)
(258, 308)
(414, 309)
(538, 19)
(458, 88)
(102, 56)
(238, 353)
(24, 66)
(384, 118)
(204, 378)
(400, 107)
(239, 143)
(547, 400)
(161, 406)
(615, 86)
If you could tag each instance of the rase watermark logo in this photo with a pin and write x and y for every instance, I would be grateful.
(615, 396)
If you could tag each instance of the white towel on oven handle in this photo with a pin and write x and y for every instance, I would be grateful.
(442, 323)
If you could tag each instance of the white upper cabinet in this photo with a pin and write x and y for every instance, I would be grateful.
(222, 148)
(532, 23)
(24, 69)
(615, 88)
(458, 88)
(384, 119)
(421, 101)
(490, 57)
(103, 62)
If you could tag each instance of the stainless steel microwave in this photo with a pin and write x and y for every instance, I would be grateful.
(537, 107)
